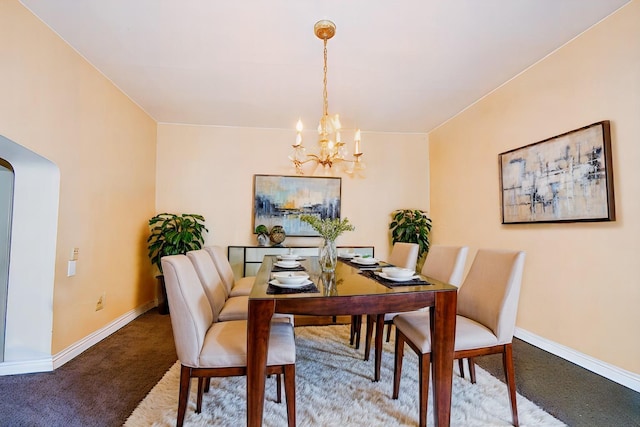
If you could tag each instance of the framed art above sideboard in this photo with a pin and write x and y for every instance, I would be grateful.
(282, 199)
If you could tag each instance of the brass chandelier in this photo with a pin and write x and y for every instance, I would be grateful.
(333, 151)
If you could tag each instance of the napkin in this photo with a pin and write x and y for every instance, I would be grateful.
(390, 283)
(308, 289)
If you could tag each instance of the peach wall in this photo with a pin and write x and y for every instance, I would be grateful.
(581, 288)
(209, 170)
(57, 105)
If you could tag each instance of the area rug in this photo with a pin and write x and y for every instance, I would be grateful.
(334, 388)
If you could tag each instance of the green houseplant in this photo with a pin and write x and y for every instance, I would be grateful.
(173, 234)
(263, 234)
(411, 226)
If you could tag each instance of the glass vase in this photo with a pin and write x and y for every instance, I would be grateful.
(328, 255)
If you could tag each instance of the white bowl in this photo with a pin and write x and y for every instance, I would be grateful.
(291, 277)
(288, 256)
(287, 263)
(365, 261)
(398, 273)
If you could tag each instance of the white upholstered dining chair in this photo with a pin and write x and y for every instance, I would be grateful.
(217, 349)
(485, 321)
(235, 288)
(403, 255)
(443, 263)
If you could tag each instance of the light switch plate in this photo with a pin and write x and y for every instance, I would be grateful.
(71, 268)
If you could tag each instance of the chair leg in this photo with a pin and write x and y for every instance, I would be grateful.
(397, 366)
(356, 322)
(290, 393)
(507, 361)
(461, 367)
(207, 385)
(423, 376)
(368, 335)
(278, 388)
(472, 370)
(389, 326)
(201, 387)
(183, 395)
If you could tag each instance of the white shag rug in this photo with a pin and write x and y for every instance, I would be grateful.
(334, 388)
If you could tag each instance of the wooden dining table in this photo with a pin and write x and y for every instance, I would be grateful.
(348, 291)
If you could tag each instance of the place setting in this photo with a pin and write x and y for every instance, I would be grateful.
(288, 262)
(395, 276)
(291, 282)
(361, 262)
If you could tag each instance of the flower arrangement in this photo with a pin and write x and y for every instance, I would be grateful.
(328, 228)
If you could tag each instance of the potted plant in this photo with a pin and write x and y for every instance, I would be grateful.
(173, 234)
(263, 234)
(411, 226)
(329, 229)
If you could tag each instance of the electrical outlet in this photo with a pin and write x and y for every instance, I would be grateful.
(101, 302)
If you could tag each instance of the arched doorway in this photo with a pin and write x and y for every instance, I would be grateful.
(6, 208)
(32, 251)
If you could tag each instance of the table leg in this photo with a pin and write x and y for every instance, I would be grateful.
(443, 330)
(258, 328)
(379, 333)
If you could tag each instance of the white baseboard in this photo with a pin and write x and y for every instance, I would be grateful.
(26, 367)
(49, 363)
(90, 340)
(618, 375)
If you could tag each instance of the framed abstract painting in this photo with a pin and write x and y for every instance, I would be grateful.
(566, 178)
(281, 200)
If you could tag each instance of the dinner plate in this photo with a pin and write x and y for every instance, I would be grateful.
(397, 279)
(274, 282)
(297, 264)
(364, 261)
(346, 255)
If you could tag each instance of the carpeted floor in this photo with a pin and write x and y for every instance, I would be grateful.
(103, 385)
(334, 388)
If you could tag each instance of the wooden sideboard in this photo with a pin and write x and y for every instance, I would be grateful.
(246, 260)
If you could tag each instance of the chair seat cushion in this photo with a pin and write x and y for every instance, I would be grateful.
(469, 334)
(242, 286)
(225, 345)
(236, 308)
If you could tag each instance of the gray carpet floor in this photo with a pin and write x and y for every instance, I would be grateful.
(103, 385)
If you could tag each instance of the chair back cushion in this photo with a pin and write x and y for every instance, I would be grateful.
(191, 314)
(446, 263)
(213, 287)
(222, 265)
(404, 255)
(490, 292)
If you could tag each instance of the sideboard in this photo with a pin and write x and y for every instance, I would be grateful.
(246, 260)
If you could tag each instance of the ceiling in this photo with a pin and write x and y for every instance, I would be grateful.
(403, 66)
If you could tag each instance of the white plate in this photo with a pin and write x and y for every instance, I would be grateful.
(346, 255)
(279, 264)
(364, 261)
(274, 282)
(397, 279)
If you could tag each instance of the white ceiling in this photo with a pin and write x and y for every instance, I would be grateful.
(396, 66)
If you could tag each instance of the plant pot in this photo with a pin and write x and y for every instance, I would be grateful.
(163, 305)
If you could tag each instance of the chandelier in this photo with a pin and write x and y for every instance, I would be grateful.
(332, 151)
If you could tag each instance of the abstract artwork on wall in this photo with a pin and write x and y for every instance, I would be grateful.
(281, 200)
(567, 178)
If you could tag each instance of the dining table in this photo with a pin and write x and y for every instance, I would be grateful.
(351, 289)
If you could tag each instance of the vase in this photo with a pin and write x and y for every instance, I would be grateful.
(328, 255)
(263, 240)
